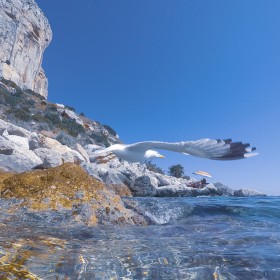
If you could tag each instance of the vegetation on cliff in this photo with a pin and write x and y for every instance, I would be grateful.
(31, 111)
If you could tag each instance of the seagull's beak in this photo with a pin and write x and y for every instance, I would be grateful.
(161, 156)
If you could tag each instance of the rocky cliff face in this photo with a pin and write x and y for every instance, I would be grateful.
(24, 35)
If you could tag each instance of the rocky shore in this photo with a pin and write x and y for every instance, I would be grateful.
(72, 183)
(47, 158)
(68, 190)
(22, 150)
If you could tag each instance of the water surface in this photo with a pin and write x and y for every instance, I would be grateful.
(191, 238)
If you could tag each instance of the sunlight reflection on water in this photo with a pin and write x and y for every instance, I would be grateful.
(217, 245)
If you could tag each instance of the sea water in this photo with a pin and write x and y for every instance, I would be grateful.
(190, 238)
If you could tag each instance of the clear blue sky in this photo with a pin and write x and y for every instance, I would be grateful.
(172, 71)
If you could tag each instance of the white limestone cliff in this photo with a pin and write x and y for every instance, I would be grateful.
(24, 35)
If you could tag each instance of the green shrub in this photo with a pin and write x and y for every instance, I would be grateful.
(66, 139)
(99, 139)
(52, 117)
(45, 126)
(11, 100)
(84, 139)
(71, 127)
(39, 117)
(8, 83)
(176, 171)
(16, 99)
(51, 108)
(30, 102)
(154, 168)
(21, 113)
(37, 95)
(110, 129)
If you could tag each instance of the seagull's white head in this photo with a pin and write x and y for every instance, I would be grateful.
(150, 154)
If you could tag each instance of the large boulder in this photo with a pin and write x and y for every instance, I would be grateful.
(19, 161)
(45, 147)
(144, 186)
(82, 152)
(69, 191)
(224, 189)
(15, 154)
(12, 129)
(50, 158)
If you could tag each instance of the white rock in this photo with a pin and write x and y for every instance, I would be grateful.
(73, 156)
(24, 35)
(13, 129)
(6, 147)
(82, 151)
(247, 192)
(18, 141)
(50, 158)
(20, 160)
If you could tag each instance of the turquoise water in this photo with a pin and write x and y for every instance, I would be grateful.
(190, 238)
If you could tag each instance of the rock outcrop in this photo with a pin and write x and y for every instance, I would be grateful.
(24, 35)
(29, 110)
(66, 192)
(21, 150)
(247, 192)
(142, 182)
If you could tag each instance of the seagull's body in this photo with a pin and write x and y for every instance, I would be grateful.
(206, 148)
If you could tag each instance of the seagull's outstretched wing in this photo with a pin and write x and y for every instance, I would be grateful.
(206, 148)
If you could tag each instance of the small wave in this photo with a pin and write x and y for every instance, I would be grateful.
(160, 211)
(219, 210)
(167, 210)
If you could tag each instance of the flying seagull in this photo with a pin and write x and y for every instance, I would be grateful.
(216, 149)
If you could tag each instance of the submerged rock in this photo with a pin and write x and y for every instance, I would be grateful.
(70, 191)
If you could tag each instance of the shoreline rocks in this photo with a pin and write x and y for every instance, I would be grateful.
(72, 188)
(69, 191)
(247, 192)
(22, 150)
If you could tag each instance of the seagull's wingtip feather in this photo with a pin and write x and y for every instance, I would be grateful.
(248, 155)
